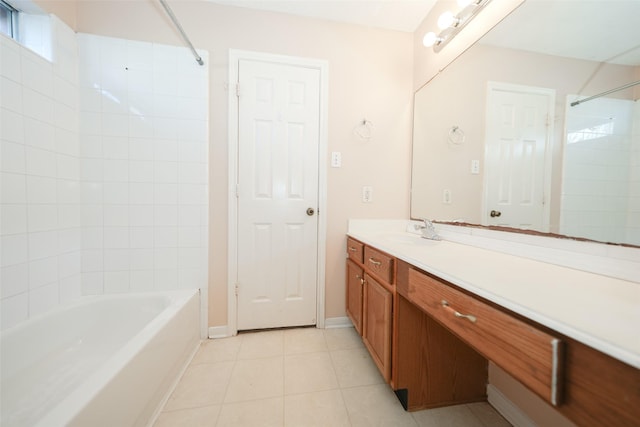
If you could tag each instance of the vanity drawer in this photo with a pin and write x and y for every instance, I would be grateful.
(355, 250)
(530, 355)
(379, 264)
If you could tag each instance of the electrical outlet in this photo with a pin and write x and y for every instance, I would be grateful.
(336, 159)
(367, 194)
(446, 196)
(475, 167)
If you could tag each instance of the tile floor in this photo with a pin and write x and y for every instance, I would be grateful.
(298, 377)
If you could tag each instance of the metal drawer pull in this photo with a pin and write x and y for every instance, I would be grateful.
(352, 249)
(361, 279)
(374, 262)
(469, 317)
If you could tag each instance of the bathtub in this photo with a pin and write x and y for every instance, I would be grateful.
(102, 361)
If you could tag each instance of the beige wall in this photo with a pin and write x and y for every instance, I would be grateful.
(370, 76)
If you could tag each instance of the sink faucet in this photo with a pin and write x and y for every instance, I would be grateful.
(429, 231)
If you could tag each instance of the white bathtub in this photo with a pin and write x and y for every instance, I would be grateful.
(102, 361)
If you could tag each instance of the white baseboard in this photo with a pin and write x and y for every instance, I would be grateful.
(337, 322)
(507, 408)
(218, 332)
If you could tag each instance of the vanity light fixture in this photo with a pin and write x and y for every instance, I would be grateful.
(451, 24)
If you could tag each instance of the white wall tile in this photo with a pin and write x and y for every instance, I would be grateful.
(91, 192)
(190, 258)
(140, 126)
(91, 169)
(192, 194)
(42, 217)
(140, 80)
(190, 237)
(165, 128)
(41, 162)
(141, 237)
(165, 172)
(43, 299)
(90, 99)
(43, 271)
(141, 215)
(15, 309)
(192, 130)
(66, 142)
(70, 288)
(116, 215)
(90, 123)
(116, 193)
(68, 167)
(141, 149)
(141, 105)
(13, 188)
(10, 66)
(165, 150)
(116, 282)
(69, 240)
(37, 73)
(12, 126)
(166, 280)
(41, 189)
(165, 194)
(37, 106)
(141, 193)
(69, 264)
(141, 280)
(165, 237)
(115, 147)
(192, 152)
(43, 244)
(115, 124)
(92, 283)
(11, 95)
(141, 171)
(116, 260)
(39, 134)
(13, 219)
(116, 237)
(92, 237)
(15, 279)
(13, 157)
(69, 216)
(116, 170)
(91, 146)
(68, 191)
(139, 55)
(142, 258)
(165, 258)
(165, 215)
(65, 92)
(192, 173)
(92, 260)
(14, 249)
(65, 117)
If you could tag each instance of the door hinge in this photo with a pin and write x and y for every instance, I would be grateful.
(236, 289)
(238, 90)
(237, 191)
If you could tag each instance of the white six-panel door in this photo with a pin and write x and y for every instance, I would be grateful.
(518, 130)
(278, 142)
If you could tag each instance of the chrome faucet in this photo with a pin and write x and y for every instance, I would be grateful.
(429, 231)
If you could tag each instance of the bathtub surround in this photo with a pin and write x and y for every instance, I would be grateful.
(104, 171)
(40, 198)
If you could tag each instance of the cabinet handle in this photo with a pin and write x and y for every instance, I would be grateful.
(469, 317)
(374, 262)
(352, 249)
(361, 279)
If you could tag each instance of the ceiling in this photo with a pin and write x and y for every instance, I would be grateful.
(398, 15)
(602, 31)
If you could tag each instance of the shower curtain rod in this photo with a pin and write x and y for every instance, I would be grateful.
(181, 30)
(574, 103)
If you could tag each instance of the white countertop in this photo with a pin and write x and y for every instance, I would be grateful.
(599, 311)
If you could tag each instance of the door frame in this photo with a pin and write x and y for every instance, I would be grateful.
(235, 56)
(548, 149)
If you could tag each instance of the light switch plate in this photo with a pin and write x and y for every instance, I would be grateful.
(367, 194)
(475, 167)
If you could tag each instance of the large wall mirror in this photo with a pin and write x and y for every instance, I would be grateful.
(537, 126)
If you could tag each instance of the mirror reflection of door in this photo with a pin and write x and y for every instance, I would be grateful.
(517, 174)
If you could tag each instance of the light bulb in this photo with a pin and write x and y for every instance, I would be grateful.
(446, 20)
(429, 39)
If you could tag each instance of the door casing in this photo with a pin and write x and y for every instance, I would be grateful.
(233, 121)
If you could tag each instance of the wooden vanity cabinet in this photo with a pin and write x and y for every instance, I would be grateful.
(370, 299)
(355, 287)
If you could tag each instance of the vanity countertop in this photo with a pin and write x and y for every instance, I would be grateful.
(599, 311)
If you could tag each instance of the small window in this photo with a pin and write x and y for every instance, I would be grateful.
(8, 16)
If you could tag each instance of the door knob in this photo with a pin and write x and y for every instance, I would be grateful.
(495, 214)
(310, 211)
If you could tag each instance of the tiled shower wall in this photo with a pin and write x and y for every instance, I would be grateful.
(40, 198)
(104, 171)
(143, 172)
(600, 199)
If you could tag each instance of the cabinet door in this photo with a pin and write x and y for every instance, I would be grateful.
(378, 302)
(355, 282)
